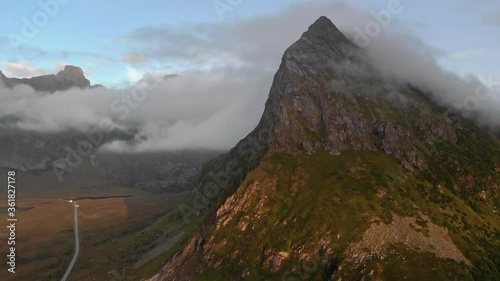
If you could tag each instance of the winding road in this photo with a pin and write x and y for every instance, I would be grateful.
(77, 245)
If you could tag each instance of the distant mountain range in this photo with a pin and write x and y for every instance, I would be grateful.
(70, 77)
(35, 154)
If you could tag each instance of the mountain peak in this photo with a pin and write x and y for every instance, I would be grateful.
(73, 69)
(76, 74)
(324, 31)
(323, 23)
(322, 44)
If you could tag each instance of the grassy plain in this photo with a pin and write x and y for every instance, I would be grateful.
(45, 237)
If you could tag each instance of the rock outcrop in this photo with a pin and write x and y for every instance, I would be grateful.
(70, 77)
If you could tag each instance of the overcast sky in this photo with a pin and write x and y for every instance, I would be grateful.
(226, 57)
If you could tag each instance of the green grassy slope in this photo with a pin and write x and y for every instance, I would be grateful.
(315, 207)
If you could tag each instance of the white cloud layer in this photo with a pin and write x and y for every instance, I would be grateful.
(21, 70)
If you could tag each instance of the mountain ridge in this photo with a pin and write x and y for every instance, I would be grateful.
(350, 157)
(70, 77)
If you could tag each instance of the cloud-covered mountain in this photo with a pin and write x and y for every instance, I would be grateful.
(349, 175)
(70, 77)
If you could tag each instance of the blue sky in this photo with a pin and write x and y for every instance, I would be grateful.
(96, 35)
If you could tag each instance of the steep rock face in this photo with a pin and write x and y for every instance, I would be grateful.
(325, 96)
(73, 77)
(70, 77)
(330, 99)
(341, 153)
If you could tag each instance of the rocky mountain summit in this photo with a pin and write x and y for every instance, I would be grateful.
(348, 176)
(70, 77)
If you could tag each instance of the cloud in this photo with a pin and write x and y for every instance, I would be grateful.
(404, 58)
(492, 18)
(105, 62)
(21, 70)
(255, 43)
(226, 71)
(474, 54)
(26, 70)
(26, 52)
(133, 74)
(135, 59)
(188, 111)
